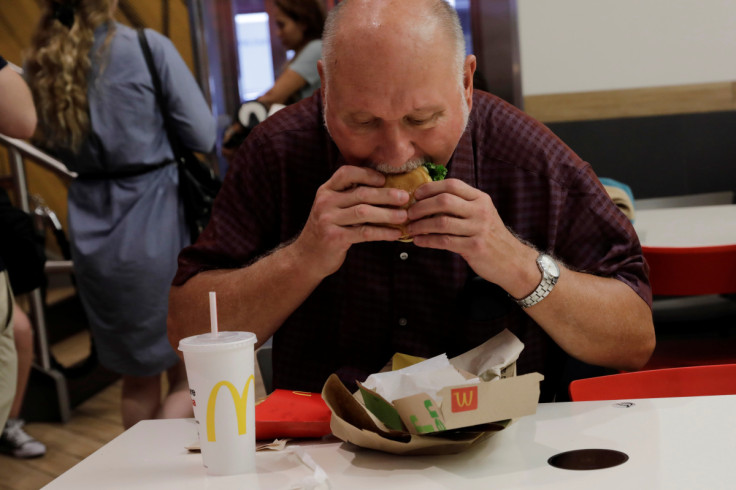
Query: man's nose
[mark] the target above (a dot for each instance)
(396, 147)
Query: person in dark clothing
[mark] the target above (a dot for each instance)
(520, 235)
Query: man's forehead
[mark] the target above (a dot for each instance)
(408, 94)
(391, 95)
(368, 67)
(358, 112)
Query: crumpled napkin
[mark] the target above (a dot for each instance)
(318, 480)
(428, 377)
(488, 360)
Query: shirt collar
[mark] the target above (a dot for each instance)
(461, 165)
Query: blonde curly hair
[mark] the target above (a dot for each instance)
(57, 68)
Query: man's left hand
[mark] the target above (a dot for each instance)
(451, 215)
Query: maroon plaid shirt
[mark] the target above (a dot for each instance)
(396, 297)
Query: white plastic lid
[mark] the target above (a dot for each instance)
(223, 340)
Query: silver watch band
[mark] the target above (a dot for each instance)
(550, 273)
(537, 295)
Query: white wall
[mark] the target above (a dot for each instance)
(588, 45)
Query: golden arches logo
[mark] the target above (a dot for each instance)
(240, 401)
(464, 399)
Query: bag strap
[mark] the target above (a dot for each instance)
(163, 107)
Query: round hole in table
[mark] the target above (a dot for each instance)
(588, 459)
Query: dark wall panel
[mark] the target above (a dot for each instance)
(662, 155)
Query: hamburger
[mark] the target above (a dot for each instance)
(409, 182)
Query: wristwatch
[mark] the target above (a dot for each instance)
(550, 273)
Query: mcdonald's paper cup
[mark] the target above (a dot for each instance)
(222, 386)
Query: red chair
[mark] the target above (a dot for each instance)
(692, 271)
(688, 271)
(717, 379)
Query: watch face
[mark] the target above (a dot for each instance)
(549, 265)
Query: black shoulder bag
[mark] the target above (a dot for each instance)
(198, 184)
(22, 250)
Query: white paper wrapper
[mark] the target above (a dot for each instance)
(428, 377)
(491, 357)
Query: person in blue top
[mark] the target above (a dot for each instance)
(299, 25)
(98, 114)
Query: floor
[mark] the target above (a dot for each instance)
(93, 423)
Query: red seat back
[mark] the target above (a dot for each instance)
(717, 379)
(685, 271)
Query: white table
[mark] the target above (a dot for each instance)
(672, 443)
(691, 226)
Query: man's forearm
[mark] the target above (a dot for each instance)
(598, 320)
(257, 298)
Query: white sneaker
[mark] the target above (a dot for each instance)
(16, 442)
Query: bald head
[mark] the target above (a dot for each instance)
(410, 28)
(397, 87)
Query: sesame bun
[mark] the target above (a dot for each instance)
(409, 182)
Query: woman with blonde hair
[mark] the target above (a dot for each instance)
(97, 112)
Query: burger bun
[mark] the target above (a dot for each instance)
(409, 182)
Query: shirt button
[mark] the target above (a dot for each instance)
(403, 255)
(402, 322)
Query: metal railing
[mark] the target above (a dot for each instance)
(18, 150)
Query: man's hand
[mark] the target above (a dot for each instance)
(345, 211)
(451, 215)
(598, 320)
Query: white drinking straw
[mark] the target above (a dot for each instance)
(213, 312)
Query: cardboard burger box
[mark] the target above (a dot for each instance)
(442, 421)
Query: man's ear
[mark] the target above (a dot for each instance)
(321, 71)
(468, 72)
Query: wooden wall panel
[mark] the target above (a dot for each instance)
(18, 20)
(151, 14)
(179, 31)
(657, 101)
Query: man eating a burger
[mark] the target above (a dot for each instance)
(303, 244)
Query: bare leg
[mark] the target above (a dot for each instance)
(177, 403)
(24, 346)
(141, 398)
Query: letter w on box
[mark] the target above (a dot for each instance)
(240, 401)
(465, 399)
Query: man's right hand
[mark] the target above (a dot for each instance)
(347, 209)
